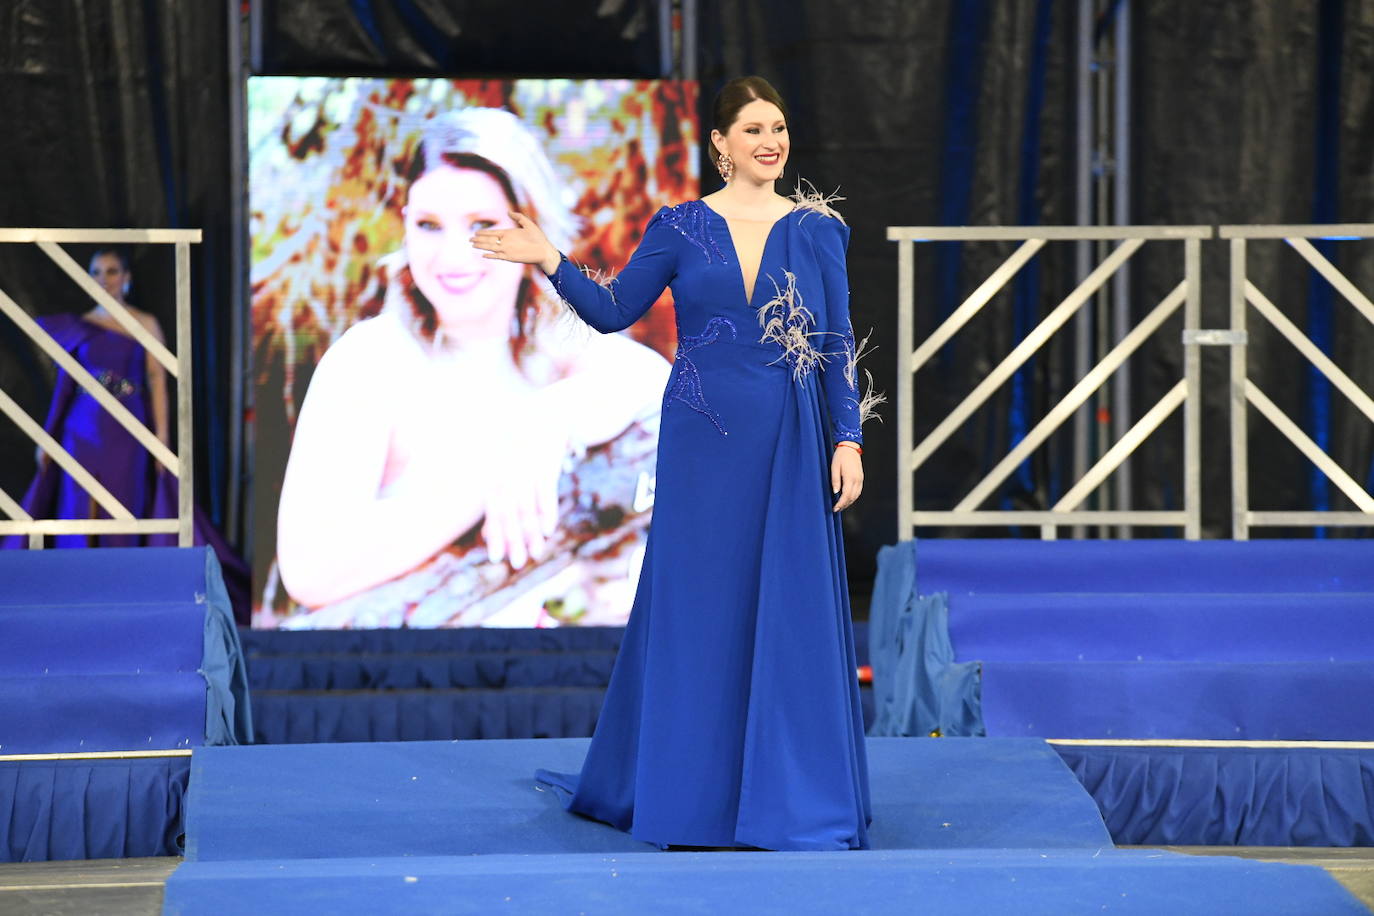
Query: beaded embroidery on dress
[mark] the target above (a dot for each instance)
(685, 385)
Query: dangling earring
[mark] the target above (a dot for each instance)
(726, 166)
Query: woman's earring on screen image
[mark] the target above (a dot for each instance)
(726, 166)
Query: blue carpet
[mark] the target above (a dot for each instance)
(907, 881)
(463, 798)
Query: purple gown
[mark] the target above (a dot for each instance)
(732, 717)
(96, 440)
(115, 458)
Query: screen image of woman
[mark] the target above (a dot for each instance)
(469, 455)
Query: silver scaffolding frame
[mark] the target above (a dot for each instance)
(1186, 393)
(177, 365)
(1245, 392)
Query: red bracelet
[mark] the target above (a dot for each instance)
(854, 445)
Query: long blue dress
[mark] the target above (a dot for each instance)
(732, 717)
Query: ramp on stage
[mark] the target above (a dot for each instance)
(960, 826)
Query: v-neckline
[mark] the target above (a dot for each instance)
(734, 251)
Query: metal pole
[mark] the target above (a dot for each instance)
(666, 68)
(906, 408)
(1082, 330)
(1192, 407)
(238, 310)
(1240, 451)
(689, 39)
(185, 415)
(1121, 283)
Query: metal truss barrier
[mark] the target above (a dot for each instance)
(1245, 392)
(178, 365)
(1186, 393)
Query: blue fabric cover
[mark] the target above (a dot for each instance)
(1298, 701)
(474, 798)
(975, 882)
(918, 687)
(259, 643)
(1233, 796)
(424, 715)
(228, 709)
(91, 809)
(409, 672)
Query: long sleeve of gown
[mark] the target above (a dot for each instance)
(839, 370)
(621, 302)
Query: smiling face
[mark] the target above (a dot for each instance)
(473, 297)
(109, 272)
(757, 142)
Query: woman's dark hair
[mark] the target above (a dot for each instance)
(117, 253)
(733, 96)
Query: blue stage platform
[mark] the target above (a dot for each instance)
(1149, 640)
(960, 826)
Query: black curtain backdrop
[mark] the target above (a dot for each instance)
(920, 111)
(115, 114)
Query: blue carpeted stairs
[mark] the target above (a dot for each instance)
(431, 685)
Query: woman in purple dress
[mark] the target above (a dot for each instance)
(89, 433)
(732, 718)
(98, 442)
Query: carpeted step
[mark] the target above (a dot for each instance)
(123, 574)
(1320, 626)
(436, 671)
(94, 639)
(1028, 566)
(1299, 701)
(62, 714)
(306, 717)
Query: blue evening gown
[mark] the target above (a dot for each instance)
(732, 716)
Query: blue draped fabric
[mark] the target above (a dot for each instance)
(1158, 796)
(918, 687)
(441, 672)
(425, 715)
(92, 809)
(260, 643)
(228, 709)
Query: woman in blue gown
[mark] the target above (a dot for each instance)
(732, 718)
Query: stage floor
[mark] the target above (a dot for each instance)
(135, 887)
(440, 798)
(961, 826)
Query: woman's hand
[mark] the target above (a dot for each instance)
(846, 476)
(521, 484)
(525, 244)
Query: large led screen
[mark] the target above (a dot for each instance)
(438, 441)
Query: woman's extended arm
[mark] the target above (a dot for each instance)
(613, 307)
